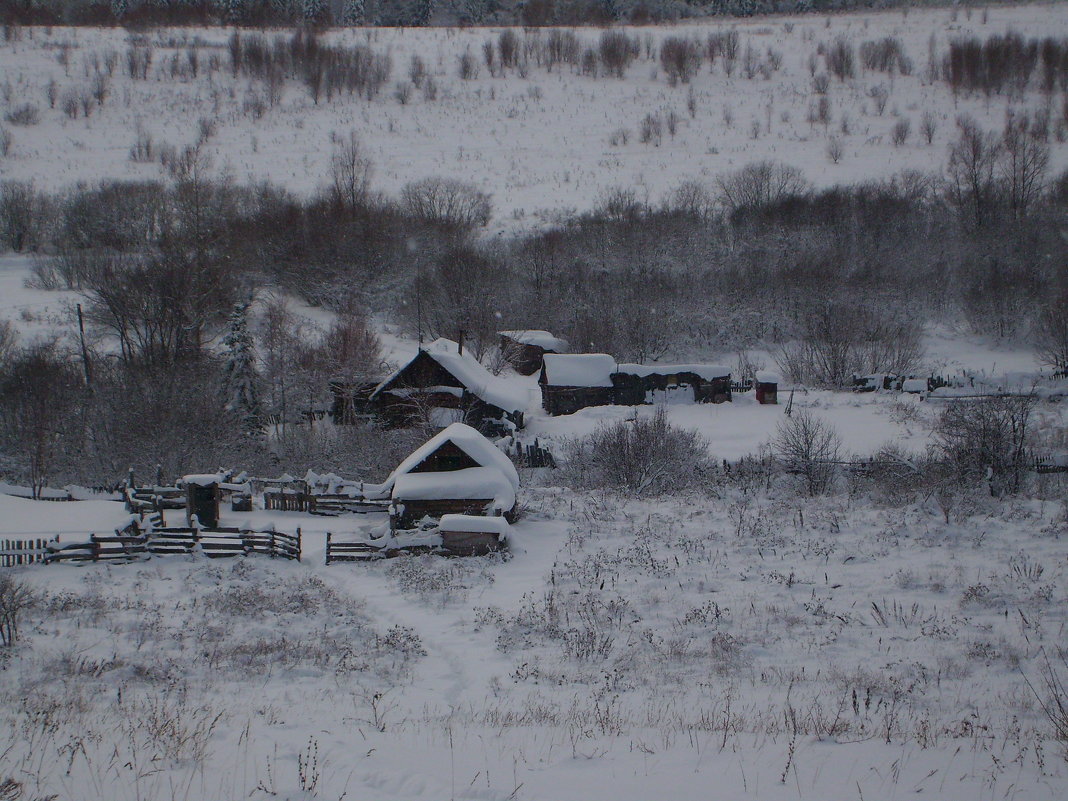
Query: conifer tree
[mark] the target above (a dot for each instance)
(242, 390)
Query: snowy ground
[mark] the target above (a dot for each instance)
(743, 646)
(541, 144)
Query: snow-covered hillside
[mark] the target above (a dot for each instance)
(542, 143)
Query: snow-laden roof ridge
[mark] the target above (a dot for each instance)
(579, 369)
(471, 373)
(545, 340)
(705, 371)
(470, 442)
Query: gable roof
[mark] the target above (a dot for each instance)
(466, 369)
(578, 369)
(467, 439)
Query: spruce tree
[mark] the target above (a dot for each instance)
(242, 391)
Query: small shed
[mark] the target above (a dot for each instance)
(766, 386)
(451, 384)
(525, 350)
(570, 382)
(202, 496)
(468, 535)
(457, 471)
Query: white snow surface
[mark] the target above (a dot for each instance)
(488, 525)
(579, 369)
(540, 145)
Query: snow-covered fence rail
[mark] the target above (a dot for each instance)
(286, 500)
(214, 543)
(154, 499)
(350, 551)
(22, 552)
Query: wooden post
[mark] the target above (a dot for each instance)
(85, 351)
(299, 544)
(328, 538)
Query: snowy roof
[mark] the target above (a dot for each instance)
(203, 479)
(579, 369)
(470, 442)
(705, 371)
(488, 525)
(764, 377)
(479, 381)
(472, 483)
(542, 339)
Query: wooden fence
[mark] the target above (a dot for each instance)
(126, 545)
(22, 552)
(350, 551)
(325, 505)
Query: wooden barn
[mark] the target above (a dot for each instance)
(636, 384)
(766, 386)
(457, 471)
(525, 350)
(570, 382)
(448, 385)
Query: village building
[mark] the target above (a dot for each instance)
(525, 350)
(443, 384)
(457, 471)
(575, 381)
(636, 384)
(570, 382)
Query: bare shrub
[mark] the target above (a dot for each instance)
(885, 55)
(680, 58)
(26, 114)
(646, 455)
(821, 83)
(651, 129)
(619, 137)
(841, 59)
(417, 71)
(843, 339)
(899, 134)
(880, 95)
(928, 126)
(808, 446)
(7, 140)
(759, 184)
(617, 51)
(402, 93)
(15, 598)
(142, 150)
(987, 439)
(835, 149)
(448, 202)
(1051, 332)
(469, 68)
(508, 47)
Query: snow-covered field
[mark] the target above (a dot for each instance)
(726, 646)
(540, 144)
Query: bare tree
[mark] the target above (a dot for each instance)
(447, 202)
(760, 184)
(1025, 159)
(973, 164)
(350, 172)
(1052, 333)
(39, 394)
(987, 440)
(809, 447)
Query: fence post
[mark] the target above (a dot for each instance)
(328, 536)
(299, 544)
(274, 546)
(94, 546)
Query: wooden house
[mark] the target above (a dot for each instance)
(448, 385)
(457, 471)
(570, 382)
(636, 384)
(525, 350)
